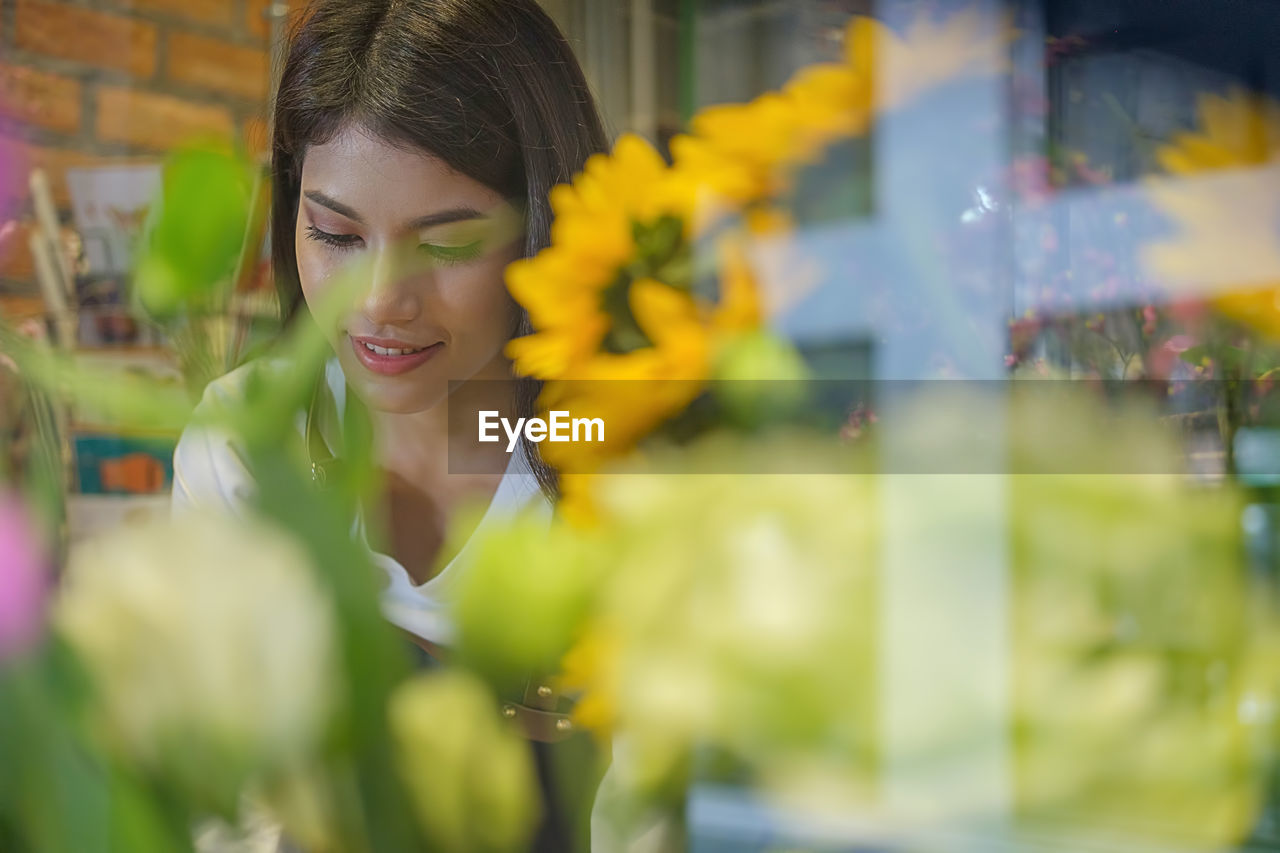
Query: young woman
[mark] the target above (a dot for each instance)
(419, 139)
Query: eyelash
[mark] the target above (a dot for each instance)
(337, 241)
(447, 255)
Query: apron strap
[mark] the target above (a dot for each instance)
(542, 713)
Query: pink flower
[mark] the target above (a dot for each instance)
(1149, 320)
(858, 422)
(23, 582)
(1094, 176)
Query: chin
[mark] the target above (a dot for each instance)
(395, 395)
(398, 401)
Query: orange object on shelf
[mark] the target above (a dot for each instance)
(137, 473)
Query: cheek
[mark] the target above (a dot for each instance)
(477, 304)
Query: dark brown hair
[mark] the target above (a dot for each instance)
(490, 87)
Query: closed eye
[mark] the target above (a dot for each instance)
(452, 254)
(440, 254)
(337, 241)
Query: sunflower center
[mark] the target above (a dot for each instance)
(661, 254)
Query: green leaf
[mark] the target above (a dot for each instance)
(195, 231)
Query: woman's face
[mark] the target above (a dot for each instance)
(429, 246)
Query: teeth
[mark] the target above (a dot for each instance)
(390, 351)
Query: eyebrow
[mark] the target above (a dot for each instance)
(440, 217)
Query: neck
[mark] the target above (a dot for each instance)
(442, 439)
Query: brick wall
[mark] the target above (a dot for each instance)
(99, 81)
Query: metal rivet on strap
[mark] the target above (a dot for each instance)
(544, 691)
(564, 724)
(509, 711)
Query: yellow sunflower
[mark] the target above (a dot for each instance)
(577, 504)
(1236, 130)
(745, 154)
(619, 334)
(737, 157)
(634, 392)
(1226, 222)
(929, 54)
(593, 238)
(612, 300)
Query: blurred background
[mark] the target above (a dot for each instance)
(1103, 209)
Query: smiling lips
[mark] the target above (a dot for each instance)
(389, 357)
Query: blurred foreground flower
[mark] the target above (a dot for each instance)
(526, 590)
(1145, 675)
(1143, 662)
(735, 625)
(760, 377)
(706, 612)
(23, 580)
(469, 775)
(735, 613)
(210, 645)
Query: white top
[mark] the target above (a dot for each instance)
(209, 474)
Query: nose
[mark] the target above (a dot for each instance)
(392, 297)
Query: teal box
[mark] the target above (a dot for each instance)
(123, 464)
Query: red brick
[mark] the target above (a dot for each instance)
(218, 65)
(50, 101)
(18, 307)
(218, 12)
(85, 35)
(156, 121)
(15, 254)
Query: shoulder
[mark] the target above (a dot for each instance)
(209, 471)
(230, 389)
